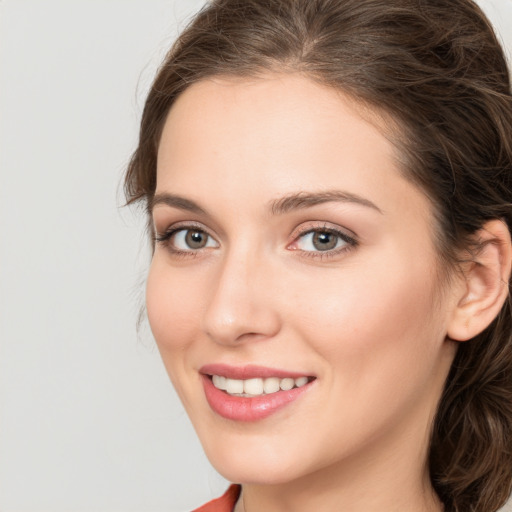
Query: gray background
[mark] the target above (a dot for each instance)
(88, 420)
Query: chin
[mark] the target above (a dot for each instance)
(256, 463)
(255, 474)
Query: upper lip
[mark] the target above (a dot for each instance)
(249, 372)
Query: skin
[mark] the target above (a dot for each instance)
(369, 320)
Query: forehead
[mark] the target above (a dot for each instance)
(275, 135)
(284, 114)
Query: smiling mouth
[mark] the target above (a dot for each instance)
(251, 392)
(257, 386)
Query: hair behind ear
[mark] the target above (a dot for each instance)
(471, 446)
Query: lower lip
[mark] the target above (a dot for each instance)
(241, 408)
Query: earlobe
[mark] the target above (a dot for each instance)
(486, 283)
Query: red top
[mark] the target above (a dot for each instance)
(226, 503)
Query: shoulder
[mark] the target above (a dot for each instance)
(225, 503)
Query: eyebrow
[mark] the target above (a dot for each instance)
(298, 201)
(303, 200)
(175, 201)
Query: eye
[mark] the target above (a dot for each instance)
(319, 241)
(192, 239)
(323, 241)
(187, 240)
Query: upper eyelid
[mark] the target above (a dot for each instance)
(177, 226)
(323, 226)
(165, 239)
(165, 235)
(323, 230)
(162, 224)
(298, 232)
(348, 239)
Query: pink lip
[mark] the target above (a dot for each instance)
(239, 408)
(248, 372)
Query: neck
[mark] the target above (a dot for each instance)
(395, 479)
(335, 500)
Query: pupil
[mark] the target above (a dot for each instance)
(324, 241)
(195, 239)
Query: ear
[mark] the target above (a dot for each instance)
(486, 280)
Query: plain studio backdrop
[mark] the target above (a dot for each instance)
(88, 419)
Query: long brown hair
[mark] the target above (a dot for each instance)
(437, 70)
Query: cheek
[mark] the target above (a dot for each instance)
(172, 306)
(378, 336)
(374, 318)
(173, 309)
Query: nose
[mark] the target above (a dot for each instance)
(241, 306)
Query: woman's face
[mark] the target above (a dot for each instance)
(291, 252)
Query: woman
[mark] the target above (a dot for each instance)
(328, 184)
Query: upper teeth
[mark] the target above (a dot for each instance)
(255, 387)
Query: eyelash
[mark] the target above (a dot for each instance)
(165, 239)
(351, 242)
